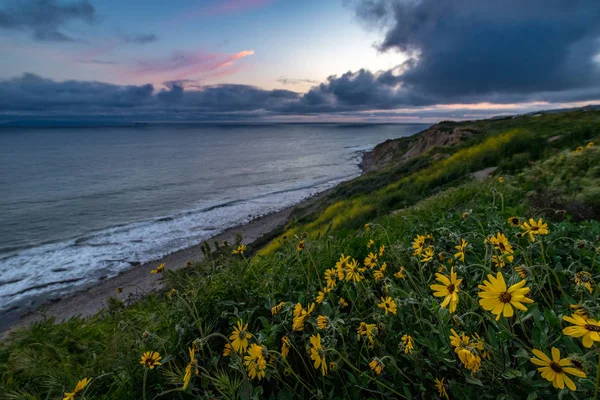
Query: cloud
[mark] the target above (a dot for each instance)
(354, 96)
(292, 81)
(99, 62)
(139, 38)
(469, 50)
(45, 18)
(185, 64)
(31, 94)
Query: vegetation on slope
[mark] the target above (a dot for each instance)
(510, 144)
(347, 310)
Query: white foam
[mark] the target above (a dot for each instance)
(109, 252)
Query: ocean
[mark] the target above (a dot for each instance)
(82, 204)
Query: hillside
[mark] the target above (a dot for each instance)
(412, 281)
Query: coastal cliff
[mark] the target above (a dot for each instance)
(396, 151)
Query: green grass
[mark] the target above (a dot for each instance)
(561, 187)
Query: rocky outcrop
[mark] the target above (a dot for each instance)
(395, 152)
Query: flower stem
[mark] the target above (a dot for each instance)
(597, 379)
(144, 384)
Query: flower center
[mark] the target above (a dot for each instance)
(451, 288)
(505, 297)
(149, 361)
(243, 335)
(555, 367)
(592, 328)
(515, 221)
(501, 245)
(535, 228)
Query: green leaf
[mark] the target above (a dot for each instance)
(512, 373)
(474, 381)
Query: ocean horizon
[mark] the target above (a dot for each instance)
(83, 204)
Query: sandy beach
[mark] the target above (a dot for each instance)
(135, 281)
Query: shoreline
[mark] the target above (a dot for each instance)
(89, 300)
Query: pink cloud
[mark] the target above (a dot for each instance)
(182, 65)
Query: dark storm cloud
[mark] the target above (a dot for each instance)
(44, 18)
(33, 94)
(467, 50)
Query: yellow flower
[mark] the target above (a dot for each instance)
(367, 330)
(461, 250)
(514, 221)
(240, 250)
(535, 228)
(343, 302)
(587, 327)
(370, 243)
(321, 295)
(467, 352)
(480, 346)
(371, 260)
(188, 264)
(285, 346)
(578, 149)
(501, 179)
(419, 243)
(498, 261)
(367, 227)
(78, 388)
(119, 290)
(331, 278)
(256, 361)
(555, 370)
(590, 145)
(427, 254)
(239, 337)
(300, 314)
(579, 310)
(441, 388)
(190, 369)
(499, 300)
(381, 250)
(376, 365)
(341, 266)
(400, 274)
(158, 269)
(151, 359)
(380, 273)
(448, 289)
(388, 305)
(353, 272)
(276, 309)
(584, 279)
(227, 350)
(523, 271)
(317, 354)
(464, 215)
(500, 242)
(322, 322)
(408, 342)
(172, 292)
(301, 245)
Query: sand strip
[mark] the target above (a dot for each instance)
(91, 300)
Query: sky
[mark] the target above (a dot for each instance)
(289, 60)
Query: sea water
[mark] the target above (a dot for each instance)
(82, 204)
